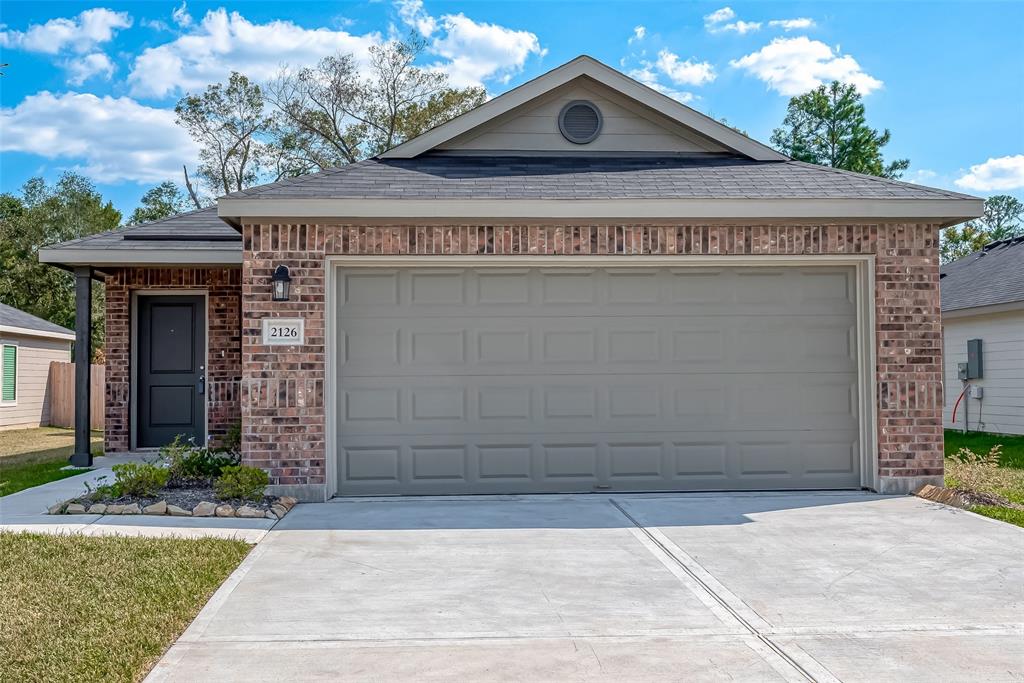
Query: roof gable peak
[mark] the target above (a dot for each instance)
(703, 129)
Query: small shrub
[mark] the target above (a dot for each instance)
(232, 441)
(188, 462)
(141, 479)
(241, 482)
(969, 457)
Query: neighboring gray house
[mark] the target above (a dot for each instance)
(983, 298)
(27, 347)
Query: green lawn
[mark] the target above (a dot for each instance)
(30, 457)
(81, 608)
(1007, 481)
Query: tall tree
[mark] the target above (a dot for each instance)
(166, 199)
(828, 126)
(331, 115)
(1003, 219)
(229, 123)
(44, 214)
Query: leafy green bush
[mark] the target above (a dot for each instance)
(241, 482)
(232, 441)
(140, 478)
(188, 462)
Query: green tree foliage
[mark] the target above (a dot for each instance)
(827, 126)
(317, 117)
(166, 199)
(41, 215)
(1003, 219)
(229, 123)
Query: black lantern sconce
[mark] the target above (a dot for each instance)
(280, 283)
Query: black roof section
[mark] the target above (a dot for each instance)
(199, 229)
(13, 317)
(992, 276)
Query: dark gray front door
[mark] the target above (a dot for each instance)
(171, 369)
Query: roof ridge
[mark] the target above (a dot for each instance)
(885, 181)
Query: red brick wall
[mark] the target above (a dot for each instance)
(224, 368)
(282, 391)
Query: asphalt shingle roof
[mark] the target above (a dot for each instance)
(191, 227)
(438, 176)
(17, 318)
(994, 275)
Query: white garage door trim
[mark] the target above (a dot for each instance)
(863, 264)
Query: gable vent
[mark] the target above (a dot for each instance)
(580, 122)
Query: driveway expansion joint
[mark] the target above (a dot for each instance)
(770, 645)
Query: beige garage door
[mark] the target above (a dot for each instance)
(524, 380)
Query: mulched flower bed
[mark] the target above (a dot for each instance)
(183, 497)
(199, 500)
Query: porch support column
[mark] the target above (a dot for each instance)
(82, 456)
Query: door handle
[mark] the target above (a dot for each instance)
(201, 384)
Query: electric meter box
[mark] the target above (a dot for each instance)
(975, 360)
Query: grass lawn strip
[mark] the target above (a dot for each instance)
(80, 608)
(30, 457)
(1005, 481)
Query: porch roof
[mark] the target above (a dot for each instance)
(193, 238)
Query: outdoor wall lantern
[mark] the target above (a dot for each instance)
(280, 283)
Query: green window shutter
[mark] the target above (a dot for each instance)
(9, 385)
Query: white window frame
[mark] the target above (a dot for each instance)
(17, 375)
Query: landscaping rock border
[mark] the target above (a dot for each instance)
(961, 498)
(278, 509)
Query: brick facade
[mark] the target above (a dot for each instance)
(224, 367)
(282, 391)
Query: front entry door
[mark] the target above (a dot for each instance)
(171, 369)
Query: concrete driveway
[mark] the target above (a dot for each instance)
(816, 586)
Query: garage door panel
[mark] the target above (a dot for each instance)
(611, 402)
(585, 345)
(434, 464)
(615, 292)
(520, 380)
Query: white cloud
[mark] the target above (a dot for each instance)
(719, 16)
(996, 174)
(412, 14)
(646, 75)
(81, 69)
(792, 66)
(722, 20)
(742, 27)
(79, 34)
(639, 33)
(223, 42)
(181, 16)
(792, 24)
(110, 139)
(684, 73)
(481, 51)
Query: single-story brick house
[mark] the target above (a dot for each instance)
(580, 285)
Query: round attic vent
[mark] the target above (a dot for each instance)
(580, 122)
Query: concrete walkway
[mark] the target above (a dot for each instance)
(755, 587)
(26, 511)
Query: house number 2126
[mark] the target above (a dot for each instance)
(283, 331)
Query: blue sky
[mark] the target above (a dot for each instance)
(92, 86)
